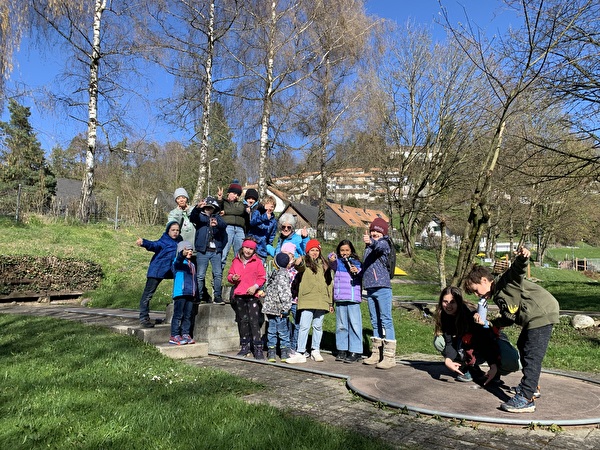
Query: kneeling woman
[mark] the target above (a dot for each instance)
(464, 343)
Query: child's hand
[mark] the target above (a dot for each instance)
(477, 319)
(220, 193)
(453, 366)
(524, 252)
(298, 261)
(304, 232)
(491, 373)
(367, 238)
(235, 277)
(139, 242)
(331, 309)
(332, 257)
(251, 290)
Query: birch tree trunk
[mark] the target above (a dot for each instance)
(90, 157)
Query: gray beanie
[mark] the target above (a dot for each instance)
(184, 245)
(180, 192)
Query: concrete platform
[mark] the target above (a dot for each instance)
(427, 387)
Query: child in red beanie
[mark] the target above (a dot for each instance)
(314, 300)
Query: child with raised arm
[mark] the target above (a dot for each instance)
(376, 281)
(277, 302)
(525, 303)
(160, 267)
(247, 274)
(184, 292)
(314, 300)
(347, 297)
(263, 226)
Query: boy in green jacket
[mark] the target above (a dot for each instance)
(525, 303)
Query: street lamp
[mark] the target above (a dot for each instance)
(208, 181)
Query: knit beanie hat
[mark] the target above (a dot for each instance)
(289, 247)
(184, 245)
(251, 193)
(282, 260)
(235, 187)
(180, 192)
(379, 225)
(313, 243)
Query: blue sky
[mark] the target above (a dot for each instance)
(37, 71)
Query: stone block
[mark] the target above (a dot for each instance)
(197, 350)
(216, 325)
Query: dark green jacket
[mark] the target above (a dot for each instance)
(522, 301)
(234, 213)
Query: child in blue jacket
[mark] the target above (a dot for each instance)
(347, 297)
(184, 291)
(160, 266)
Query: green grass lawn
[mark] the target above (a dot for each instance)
(68, 385)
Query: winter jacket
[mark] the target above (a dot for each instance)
(263, 230)
(313, 290)
(234, 213)
(375, 273)
(521, 301)
(186, 227)
(278, 293)
(164, 252)
(476, 342)
(184, 282)
(295, 239)
(346, 286)
(252, 272)
(205, 233)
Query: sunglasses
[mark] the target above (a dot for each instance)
(286, 227)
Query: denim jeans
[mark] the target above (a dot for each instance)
(348, 327)
(532, 345)
(202, 260)
(308, 317)
(380, 310)
(292, 324)
(182, 315)
(278, 327)
(149, 290)
(235, 238)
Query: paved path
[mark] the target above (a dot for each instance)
(320, 390)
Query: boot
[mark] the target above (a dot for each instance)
(389, 355)
(258, 351)
(245, 350)
(376, 352)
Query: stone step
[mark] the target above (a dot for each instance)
(197, 350)
(158, 335)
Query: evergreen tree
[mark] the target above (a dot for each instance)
(22, 161)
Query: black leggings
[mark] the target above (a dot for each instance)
(248, 311)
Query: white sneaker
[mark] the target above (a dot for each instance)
(316, 356)
(298, 358)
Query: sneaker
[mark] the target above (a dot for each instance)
(518, 404)
(465, 378)
(271, 354)
(298, 358)
(146, 324)
(177, 340)
(188, 339)
(341, 355)
(315, 355)
(218, 301)
(285, 354)
(517, 391)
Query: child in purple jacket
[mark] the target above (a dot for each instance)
(347, 298)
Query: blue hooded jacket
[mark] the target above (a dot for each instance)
(164, 250)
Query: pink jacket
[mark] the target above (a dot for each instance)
(251, 273)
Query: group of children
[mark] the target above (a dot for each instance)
(305, 286)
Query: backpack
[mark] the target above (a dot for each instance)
(391, 261)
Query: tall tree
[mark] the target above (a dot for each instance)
(22, 161)
(512, 69)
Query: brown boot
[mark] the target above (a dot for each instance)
(389, 355)
(376, 351)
